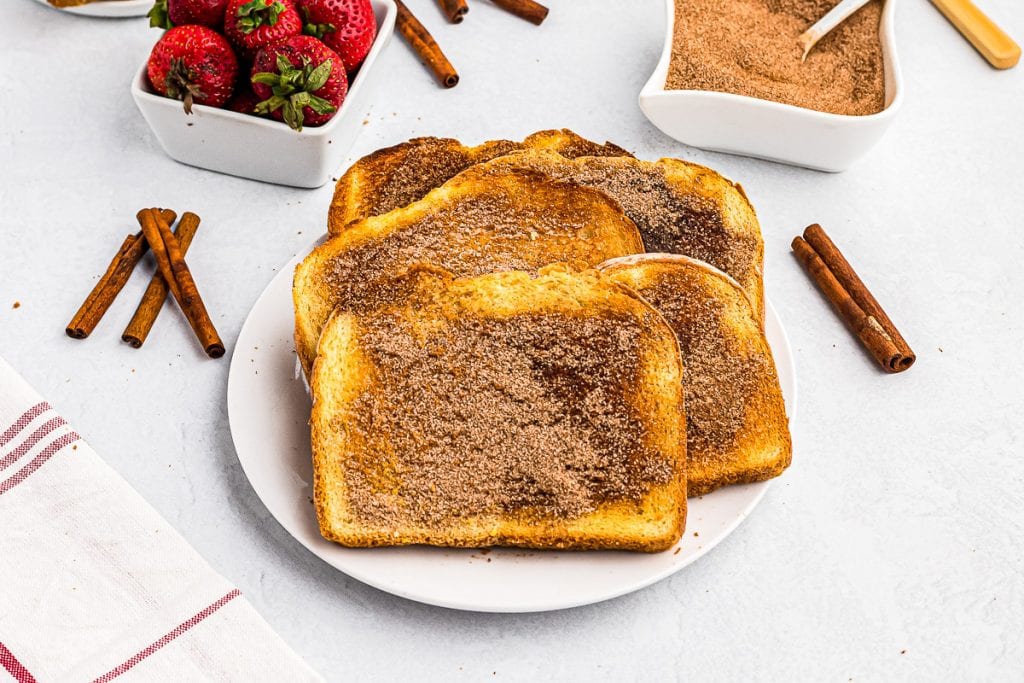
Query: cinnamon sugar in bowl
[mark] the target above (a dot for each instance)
(749, 95)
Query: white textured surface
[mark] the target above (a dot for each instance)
(899, 526)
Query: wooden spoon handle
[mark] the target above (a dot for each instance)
(987, 38)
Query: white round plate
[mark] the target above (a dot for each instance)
(110, 8)
(269, 410)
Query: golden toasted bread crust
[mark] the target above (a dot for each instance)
(470, 226)
(507, 409)
(395, 176)
(737, 431)
(679, 207)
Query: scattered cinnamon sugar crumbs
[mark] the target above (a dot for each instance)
(749, 47)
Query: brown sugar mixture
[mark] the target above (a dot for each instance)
(749, 47)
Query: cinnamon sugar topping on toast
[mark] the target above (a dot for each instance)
(523, 415)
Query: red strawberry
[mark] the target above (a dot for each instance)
(194, 64)
(346, 26)
(244, 101)
(170, 13)
(300, 80)
(252, 24)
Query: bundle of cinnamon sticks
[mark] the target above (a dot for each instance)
(420, 40)
(851, 298)
(173, 275)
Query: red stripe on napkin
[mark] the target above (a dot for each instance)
(33, 438)
(22, 422)
(14, 667)
(181, 628)
(37, 462)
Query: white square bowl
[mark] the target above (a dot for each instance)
(263, 149)
(737, 124)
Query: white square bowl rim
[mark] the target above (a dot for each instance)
(654, 88)
(141, 92)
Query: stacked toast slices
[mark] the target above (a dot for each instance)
(495, 360)
(469, 226)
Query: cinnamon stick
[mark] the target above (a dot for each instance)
(850, 297)
(848, 278)
(153, 300)
(171, 263)
(425, 46)
(110, 284)
(533, 12)
(455, 10)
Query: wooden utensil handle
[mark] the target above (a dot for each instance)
(987, 38)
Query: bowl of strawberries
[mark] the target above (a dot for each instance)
(273, 90)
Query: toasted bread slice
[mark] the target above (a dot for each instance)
(679, 207)
(468, 226)
(737, 430)
(507, 409)
(395, 176)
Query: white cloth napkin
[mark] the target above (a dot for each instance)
(95, 585)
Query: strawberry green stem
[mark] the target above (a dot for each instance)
(158, 17)
(257, 13)
(311, 28)
(293, 89)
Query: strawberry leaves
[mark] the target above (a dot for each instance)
(181, 84)
(158, 17)
(293, 90)
(257, 13)
(311, 28)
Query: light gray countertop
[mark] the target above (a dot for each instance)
(892, 548)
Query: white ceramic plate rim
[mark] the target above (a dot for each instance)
(273, 490)
(112, 9)
(655, 85)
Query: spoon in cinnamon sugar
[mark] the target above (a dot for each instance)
(821, 28)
